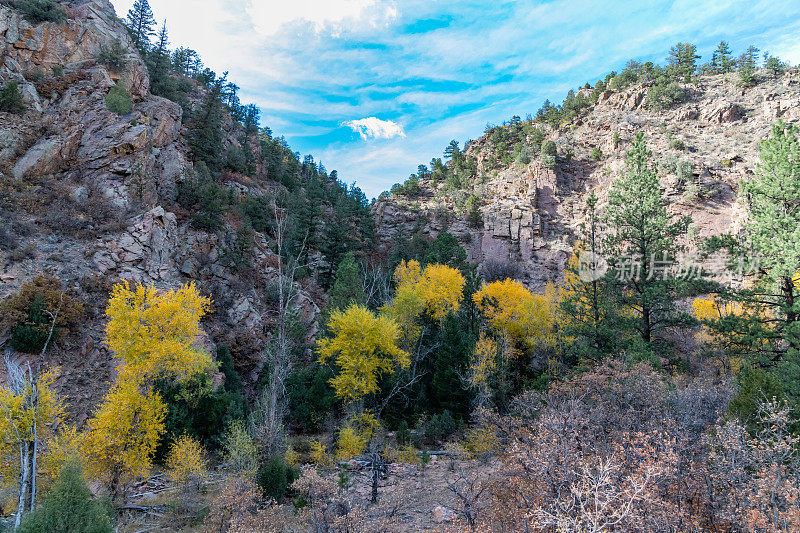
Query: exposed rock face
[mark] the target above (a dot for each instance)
(531, 215)
(132, 165)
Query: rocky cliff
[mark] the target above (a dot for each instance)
(88, 196)
(530, 214)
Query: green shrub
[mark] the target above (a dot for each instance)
(677, 144)
(58, 70)
(36, 11)
(11, 99)
(522, 154)
(549, 148)
(755, 385)
(113, 55)
(118, 100)
(472, 207)
(30, 336)
(275, 476)
(597, 154)
(664, 95)
(69, 507)
(403, 434)
(440, 426)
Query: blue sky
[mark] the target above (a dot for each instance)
(372, 88)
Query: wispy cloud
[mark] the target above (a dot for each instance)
(375, 128)
(440, 69)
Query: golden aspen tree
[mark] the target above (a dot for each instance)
(482, 367)
(516, 313)
(363, 347)
(436, 290)
(123, 435)
(29, 410)
(186, 462)
(154, 332)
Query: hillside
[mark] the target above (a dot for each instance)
(91, 196)
(530, 214)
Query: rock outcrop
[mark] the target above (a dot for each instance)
(531, 215)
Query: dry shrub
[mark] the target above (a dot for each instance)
(607, 450)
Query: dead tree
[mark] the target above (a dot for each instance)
(265, 423)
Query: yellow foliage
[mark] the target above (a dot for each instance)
(436, 290)
(405, 454)
(366, 424)
(484, 361)
(153, 331)
(349, 444)
(480, 442)
(291, 457)
(240, 450)
(124, 433)
(710, 309)
(319, 455)
(60, 448)
(363, 347)
(186, 462)
(18, 418)
(516, 313)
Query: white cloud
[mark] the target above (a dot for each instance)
(375, 127)
(269, 17)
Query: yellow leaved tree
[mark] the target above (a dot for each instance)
(123, 436)
(483, 366)
(363, 347)
(154, 331)
(29, 411)
(186, 462)
(436, 290)
(516, 314)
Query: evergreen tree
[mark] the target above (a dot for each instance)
(721, 60)
(766, 326)
(205, 135)
(450, 360)
(347, 289)
(452, 152)
(641, 244)
(140, 23)
(747, 66)
(69, 507)
(682, 60)
(159, 66)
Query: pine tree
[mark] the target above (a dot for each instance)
(587, 310)
(159, 65)
(347, 289)
(747, 66)
(683, 60)
(452, 152)
(68, 507)
(641, 243)
(140, 23)
(205, 135)
(721, 60)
